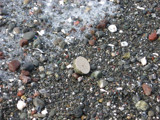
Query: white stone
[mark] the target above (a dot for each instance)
(44, 112)
(140, 8)
(41, 33)
(112, 28)
(158, 31)
(81, 65)
(143, 61)
(124, 44)
(119, 88)
(21, 104)
(69, 66)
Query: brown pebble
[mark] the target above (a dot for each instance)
(153, 36)
(25, 79)
(75, 75)
(91, 42)
(2, 57)
(14, 65)
(23, 42)
(1, 100)
(147, 89)
(20, 93)
(1, 53)
(102, 25)
(36, 94)
(35, 79)
(25, 73)
(92, 32)
(83, 28)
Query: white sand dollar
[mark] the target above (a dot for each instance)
(81, 65)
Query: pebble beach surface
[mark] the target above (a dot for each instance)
(79, 60)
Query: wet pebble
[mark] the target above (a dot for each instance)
(14, 65)
(29, 35)
(147, 89)
(142, 105)
(23, 42)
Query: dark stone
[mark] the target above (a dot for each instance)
(28, 66)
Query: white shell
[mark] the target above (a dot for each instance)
(21, 104)
(112, 28)
(143, 61)
(124, 44)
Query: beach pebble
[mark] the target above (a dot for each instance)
(81, 65)
(147, 89)
(21, 104)
(14, 65)
(143, 61)
(112, 28)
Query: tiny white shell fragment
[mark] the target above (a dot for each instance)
(41, 33)
(21, 104)
(69, 66)
(140, 8)
(143, 61)
(120, 31)
(124, 44)
(112, 28)
(119, 88)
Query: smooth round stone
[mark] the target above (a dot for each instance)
(81, 65)
(150, 113)
(29, 35)
(142, 105)
(96, 74)
(23, 116)
(102, 83)
(38, 103)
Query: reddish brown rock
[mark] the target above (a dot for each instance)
(91, 42)
(20, 93)
(14, 65)
(1, 53)
(35, 79)
(102, 25)
(153, 36)
(25, 73)
(1, 57)
(25, 79)
(83, 28)
(23, 42)
(147, 89)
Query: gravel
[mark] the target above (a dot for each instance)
(118, 77)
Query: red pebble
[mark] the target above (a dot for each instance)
(20, 93)
(76, 23)
(1, 53)
(25, 73)
(23, 42)
(147, 89)
(153, 36)
(25, 79)
(14, 65)
(91, 42)
(102, 25)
